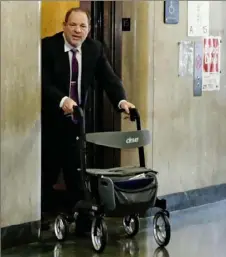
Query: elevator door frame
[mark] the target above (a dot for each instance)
(105, 27)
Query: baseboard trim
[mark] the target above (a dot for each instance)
(193, 198)
(20, 234)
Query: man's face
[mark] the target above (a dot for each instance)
(76, 28)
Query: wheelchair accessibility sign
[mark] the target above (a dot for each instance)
(171, 11)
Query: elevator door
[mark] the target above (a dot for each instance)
(105, 27)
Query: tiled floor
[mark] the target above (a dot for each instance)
(196, 232)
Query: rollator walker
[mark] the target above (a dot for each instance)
(127, 192)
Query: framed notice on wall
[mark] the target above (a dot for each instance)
(198, 18)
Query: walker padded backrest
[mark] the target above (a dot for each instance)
(118, 139)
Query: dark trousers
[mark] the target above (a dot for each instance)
(60, 151)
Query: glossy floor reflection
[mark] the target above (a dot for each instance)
(195, 232)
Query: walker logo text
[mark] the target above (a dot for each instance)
(131, 140)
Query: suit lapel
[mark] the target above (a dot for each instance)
(63, 61)
(66, 68)
(85, 70)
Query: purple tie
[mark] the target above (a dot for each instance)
(74, 78)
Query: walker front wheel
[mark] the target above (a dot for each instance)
(99, 234)
(131, 224)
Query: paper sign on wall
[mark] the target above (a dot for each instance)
(211, 63)
(186, 58)
(198, 18)
(197, 79)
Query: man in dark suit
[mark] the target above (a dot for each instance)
(70, 62)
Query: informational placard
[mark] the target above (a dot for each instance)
(197, 83)
(186, 58)
(211, 63)
(198, 18)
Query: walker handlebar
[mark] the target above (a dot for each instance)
(79, 116)
(134, 114)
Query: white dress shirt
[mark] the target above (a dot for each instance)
(68, 48)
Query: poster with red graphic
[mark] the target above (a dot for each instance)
(211, 63)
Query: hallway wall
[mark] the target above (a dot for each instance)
(20, 114)
(21, 30)
(188, 133)
(137, 75)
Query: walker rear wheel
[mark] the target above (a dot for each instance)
(99, 234)
(131, 224)
(162, 229)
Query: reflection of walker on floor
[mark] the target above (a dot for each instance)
(125, 191)
(130, 247)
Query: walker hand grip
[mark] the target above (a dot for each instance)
(134, 114)
(78, 112)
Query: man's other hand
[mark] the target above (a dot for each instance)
(126, 106)
(68, 106)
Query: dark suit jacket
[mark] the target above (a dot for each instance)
(56, 75)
